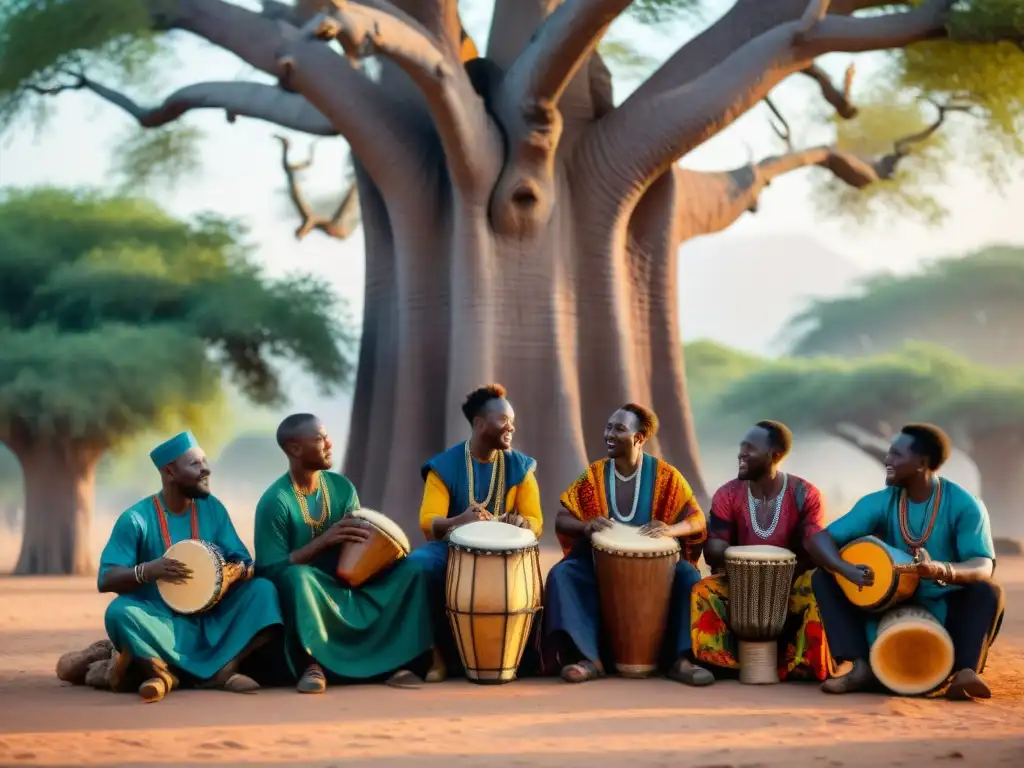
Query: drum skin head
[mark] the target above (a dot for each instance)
(627, 539)
(492, 536)
(763, 553)
(386, 524)
(867, 552)
(203, 559)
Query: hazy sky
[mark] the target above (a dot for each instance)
(241, 174)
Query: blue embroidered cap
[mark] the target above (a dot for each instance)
(167, 452)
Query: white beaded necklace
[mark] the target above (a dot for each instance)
(637, 475)
(753, 504)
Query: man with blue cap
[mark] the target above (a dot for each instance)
(157, 648)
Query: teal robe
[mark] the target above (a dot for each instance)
(352, 633)
(141, 623)
(962, 531)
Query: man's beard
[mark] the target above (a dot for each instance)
(194, 491)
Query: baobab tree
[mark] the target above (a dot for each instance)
(520, 227)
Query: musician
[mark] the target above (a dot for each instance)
(158, 648)
(482, 478)
(631, 488)
(302, 519)
(762, 506)
(949, 529)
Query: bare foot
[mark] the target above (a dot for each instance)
(860, 678)
(582, 672)
(968, 685)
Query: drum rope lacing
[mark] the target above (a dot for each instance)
(753, 504)
(316, 526)
(497, 479)
(637, 475)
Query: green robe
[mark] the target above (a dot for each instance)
(141, 623)
(352, 633)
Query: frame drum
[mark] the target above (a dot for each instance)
(913, 653)
(208, 583)
(492, 592)
(358, 563)
(760, 580)
(895, 577)
(634, 583)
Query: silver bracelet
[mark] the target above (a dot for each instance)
(138, 574)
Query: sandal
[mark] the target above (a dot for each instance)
(313, 680)
(686, 672)
(857, 680)
(581, 672)
(239, 683)
(403, 678)
(966, 686)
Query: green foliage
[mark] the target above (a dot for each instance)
(153, 158)
(989, 282)
(711, 367)
(662, 11)
(119, 318)
(919, 381)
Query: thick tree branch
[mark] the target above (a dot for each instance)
(344, 220)
(839, 99)
(642, 140)
(868, 442)
(237, 99)
(470, 141)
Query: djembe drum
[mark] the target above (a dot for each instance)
(492, 592)
(760, 580)
(634, 583)
(913, 653)
(211, 577)
(895, 572)
(387, 544)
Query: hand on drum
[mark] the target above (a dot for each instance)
(859, 575)
(654, 529)
(473, 513)
(167, 569)
(514, 518)
(349, 529)
(933, 571)
(596, 524)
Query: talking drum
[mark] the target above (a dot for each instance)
(913, 653)
(492, 592)
(211, 577)
(387, 544)
(895, 573)
(760, 580)
(634, 584)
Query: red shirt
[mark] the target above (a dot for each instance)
(730, 517)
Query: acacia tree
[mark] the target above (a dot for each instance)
(972, 304)
(519, 225)
(865, 401)
(118, 319)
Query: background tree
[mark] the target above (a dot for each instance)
(519, 225)
(974, 305)
(864, 401)
(118, 319)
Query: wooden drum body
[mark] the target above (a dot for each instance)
(492, 592)
(895, 579)
(358, 563)
(760, 580)
(913, 653)
(634, 583)
(210, 577)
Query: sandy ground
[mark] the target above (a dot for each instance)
(534, 722)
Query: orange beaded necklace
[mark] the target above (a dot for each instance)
(161, 517)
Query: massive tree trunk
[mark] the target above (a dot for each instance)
(60, 489)
(998, 456)
(519, 227)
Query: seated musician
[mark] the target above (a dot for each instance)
(948, 529)
(482, 478)
(158, 649)
(762, 506)
(302, 519)
(631, 488)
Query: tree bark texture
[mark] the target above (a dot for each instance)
(60, 489)
(520, 228)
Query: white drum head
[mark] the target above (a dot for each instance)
(628, 539)
(386, 524)
(760, 552)
(492, 536)
(204, 563)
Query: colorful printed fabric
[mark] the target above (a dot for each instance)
(670, 499)
(803, 647)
